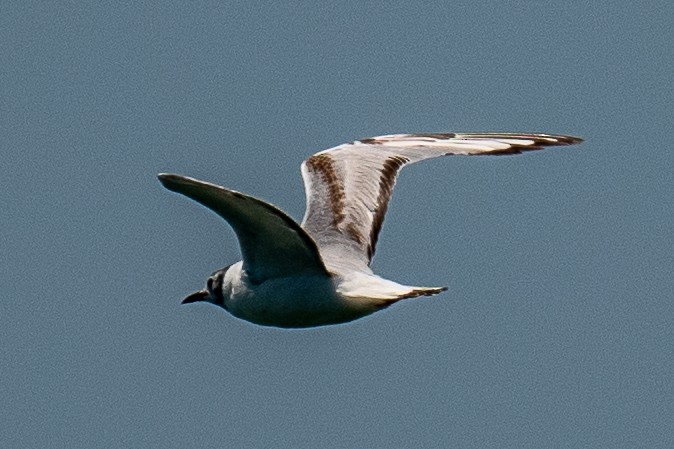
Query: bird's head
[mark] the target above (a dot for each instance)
(213, 293)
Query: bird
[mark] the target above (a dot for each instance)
(318, 273)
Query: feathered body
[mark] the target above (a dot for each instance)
(318, 273)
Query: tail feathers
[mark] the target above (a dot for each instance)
(373, 291)
(415, 292)
(421, 291)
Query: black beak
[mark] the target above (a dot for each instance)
(201, 295)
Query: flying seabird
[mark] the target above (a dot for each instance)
(318, 272)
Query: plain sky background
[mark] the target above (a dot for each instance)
(558, 326)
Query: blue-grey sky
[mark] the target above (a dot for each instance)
(556, 331)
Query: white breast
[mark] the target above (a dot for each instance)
(296, 301)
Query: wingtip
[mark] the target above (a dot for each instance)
(170, 180)
(166, 176)
(571, 140)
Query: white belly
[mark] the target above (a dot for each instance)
(303, 301)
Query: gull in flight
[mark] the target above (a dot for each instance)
(318, 272)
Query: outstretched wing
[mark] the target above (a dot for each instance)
(272, 244)
(348, 187)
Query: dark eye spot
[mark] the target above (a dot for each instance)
(218, 284)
